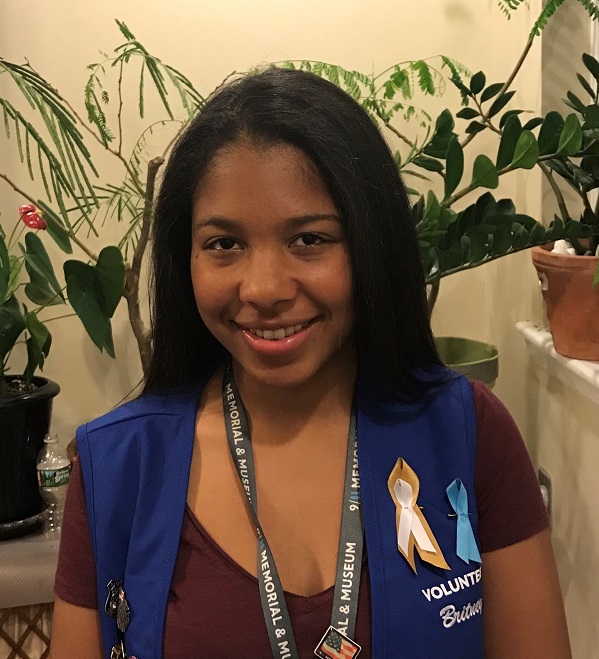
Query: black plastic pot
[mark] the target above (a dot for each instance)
(24, 420)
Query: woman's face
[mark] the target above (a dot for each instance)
(270, 265)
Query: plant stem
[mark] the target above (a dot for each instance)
(66, 231)
(556, 191)
(119, 115)
(392, 128)
(507, 84)
(400, 135)
(506, 170)
(132, 275)
(432, 296)
(67, 315)
(117, 154)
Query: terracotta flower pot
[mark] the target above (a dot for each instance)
(571, 301)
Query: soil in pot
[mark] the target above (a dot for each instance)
(24, 420)
(571, 301)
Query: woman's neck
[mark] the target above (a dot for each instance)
(281, 414)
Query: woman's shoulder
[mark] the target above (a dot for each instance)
(171, 402)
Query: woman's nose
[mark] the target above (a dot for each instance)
(266, 280)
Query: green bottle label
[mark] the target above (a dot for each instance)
(54, 477)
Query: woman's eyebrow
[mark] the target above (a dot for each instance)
(227, 224)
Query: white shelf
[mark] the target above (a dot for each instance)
(580, 375)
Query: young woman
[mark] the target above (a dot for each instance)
(301, 475)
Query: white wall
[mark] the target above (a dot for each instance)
(207, 41)
(561, 424)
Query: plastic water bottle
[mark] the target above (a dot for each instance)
(53, 472)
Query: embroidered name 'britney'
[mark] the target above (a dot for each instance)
(453, 585)
(450, 615)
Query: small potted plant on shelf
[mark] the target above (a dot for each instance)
(25, 398)
(569, 270)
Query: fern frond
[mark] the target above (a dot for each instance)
(355, 83)
(47, 160)
(71, 160)
(139, 154)
(162, 75)
(507, 6)
(548, 10)
(425, 77)
(591, 8)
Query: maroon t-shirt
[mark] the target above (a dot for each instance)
(214, 605)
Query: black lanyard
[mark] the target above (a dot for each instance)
(349, 557)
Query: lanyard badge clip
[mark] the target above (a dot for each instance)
(335, 645)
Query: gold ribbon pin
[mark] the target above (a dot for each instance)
(412, 528)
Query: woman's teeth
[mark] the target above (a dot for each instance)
(275, 335)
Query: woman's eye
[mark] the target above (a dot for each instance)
(222, 244)
(308, 239)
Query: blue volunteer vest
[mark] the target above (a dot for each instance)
(135, 462)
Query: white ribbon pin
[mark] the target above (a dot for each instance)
(413, 531)
(409, 522)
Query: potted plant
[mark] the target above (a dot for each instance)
(25, 398)
(59, 147)
(455, 236)
(569, 275)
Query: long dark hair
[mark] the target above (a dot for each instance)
(278, 106)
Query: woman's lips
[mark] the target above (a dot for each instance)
(277, 346)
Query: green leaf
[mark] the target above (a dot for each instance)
(591, 118)
(574, 102)
(468, 113)
(506, 115)
(500, 103)
(87, 299)
(526, 154)
(429, 164)
(433, 208)
(55, 229)
(475, 127)
(12, 324)
(592, 65)
(445, 122)
(506, 207)
(484, 173)
(477, 82)
(111, 276)
(425, 78)
(570, 139)
(490, 91)
(596, 277)
(509, 138)
(501, 241)
(4, 270)
(454, 167)
(41, 295)
(533, 123)
(550, 132)
(485, 207)
(37, 258)
(585, 85)
(38, 345)
(16, 265)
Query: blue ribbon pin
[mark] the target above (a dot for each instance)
(466, 548)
